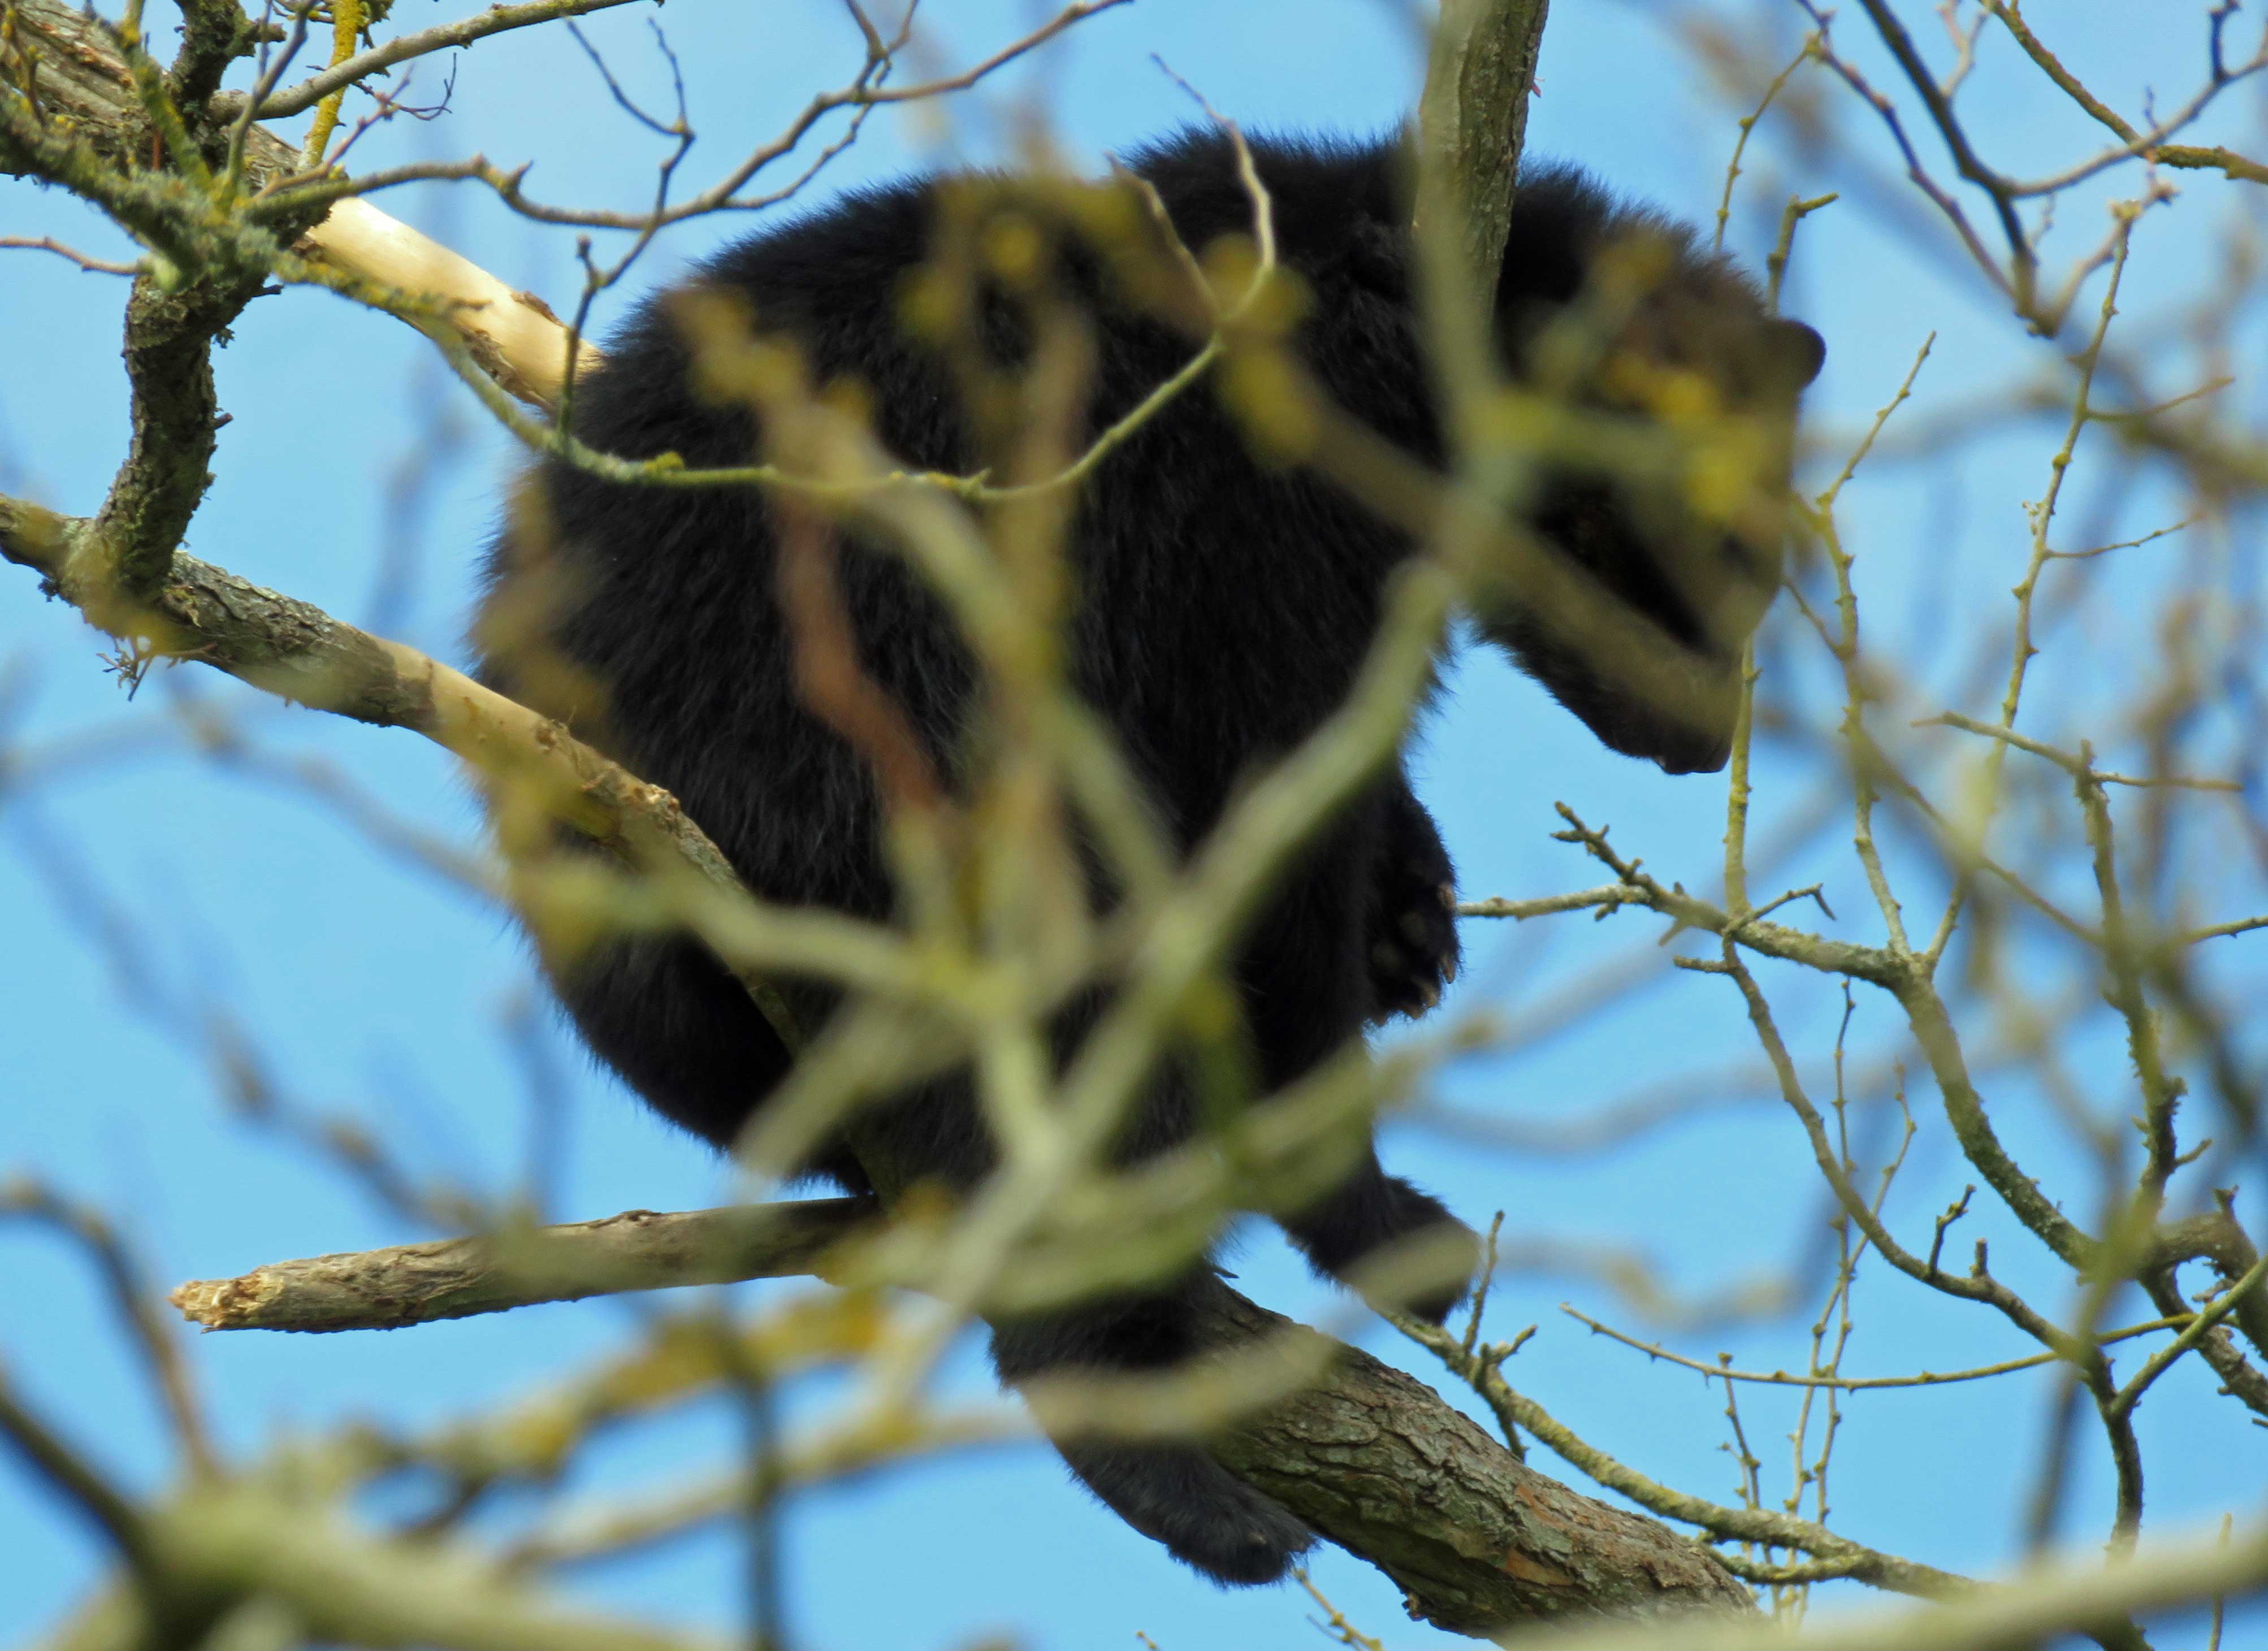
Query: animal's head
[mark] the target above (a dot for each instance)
(1663, 395)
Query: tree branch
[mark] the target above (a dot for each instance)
(459, 1278)
(1473, 118)
(294, 650)
(1369, 1456)
(403, 47)
(77, 81)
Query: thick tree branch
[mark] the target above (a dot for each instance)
(1371, 1457)
(1473, 119)
(1477, 1540)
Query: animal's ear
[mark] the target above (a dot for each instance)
(1797, 347)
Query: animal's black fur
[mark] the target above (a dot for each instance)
(1222, 607)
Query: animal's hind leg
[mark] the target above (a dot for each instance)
(1172, 1490)
(1314, 974)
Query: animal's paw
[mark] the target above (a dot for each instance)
(1450, 1249)
(1413, 938)
(1207, 1518)
(1242, 1540)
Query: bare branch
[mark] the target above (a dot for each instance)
(1369, 1456)
(403, 47)
(457, 1278)
(49, 243)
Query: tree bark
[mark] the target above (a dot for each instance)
(1472, 119)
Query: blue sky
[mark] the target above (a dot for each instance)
(374, 988)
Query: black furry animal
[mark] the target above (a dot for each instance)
(1222, 607)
